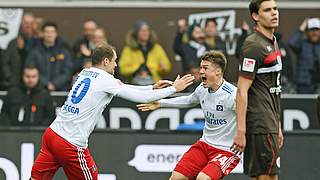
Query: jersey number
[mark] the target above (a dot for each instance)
(220, 158)
(76, 99)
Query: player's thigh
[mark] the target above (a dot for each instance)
(193, 161)
(177, 176)
(80, 165)
(262, 155)
(203, 176)
(46, 164)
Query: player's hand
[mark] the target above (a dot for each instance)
(181, 83)
(162, 84)
(280, 138)
(239, 142)
(149, 106)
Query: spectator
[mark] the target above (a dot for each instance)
(195, 48)
(37, 24)
(52, 59)
(83, 46)
(195, 72)
(180, 39)
(288, 65)
(99, 36)
(212, 39)
(245, 31)
(14, 56)
(305, 42)
(28, 104)
(143, 60)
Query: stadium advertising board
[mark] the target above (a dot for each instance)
(299, 112)
(144, 155)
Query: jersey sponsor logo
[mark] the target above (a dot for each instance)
(248, 64)
(275, 90)
(219, 107)
(216, 122)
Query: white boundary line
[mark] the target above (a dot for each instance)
(153, 4)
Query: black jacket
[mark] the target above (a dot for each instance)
(54, 63)
(34, 106)
(12, 62)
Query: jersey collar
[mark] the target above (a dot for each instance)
(210, 90)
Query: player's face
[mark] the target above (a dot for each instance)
(210, 74)
(112, 64)
(268, 15)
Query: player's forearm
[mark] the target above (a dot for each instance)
(178, 102)
(241, 110)
(149, 87)
(145, 96)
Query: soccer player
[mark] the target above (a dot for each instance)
(259, 132)
(210, 157)
(65, 142)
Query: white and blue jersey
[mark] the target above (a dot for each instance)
(218, 109)
(92, 91)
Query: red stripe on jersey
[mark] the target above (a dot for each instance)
(271, 57)
(272, 152)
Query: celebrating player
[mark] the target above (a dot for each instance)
(210, 157)
(65, 142)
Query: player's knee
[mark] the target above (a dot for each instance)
(203, 176)
(177, 176)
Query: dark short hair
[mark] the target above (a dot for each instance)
(30, 66)
(254, 6)
(102, 51)
(49, 24)
(216, 57)
(211, 20)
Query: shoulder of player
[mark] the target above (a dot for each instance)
(253, 41)
(229, 89)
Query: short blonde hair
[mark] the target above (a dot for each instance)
(216, 57)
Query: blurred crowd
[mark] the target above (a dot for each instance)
(39, 60)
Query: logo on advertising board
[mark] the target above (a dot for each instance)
(162, 158)
(157, 158)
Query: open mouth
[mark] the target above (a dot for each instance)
(203, 78)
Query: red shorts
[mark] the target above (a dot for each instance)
(57, 152)
(202, 157)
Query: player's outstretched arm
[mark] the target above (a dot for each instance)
(162, 84)
(158, 85)
(145, 96)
